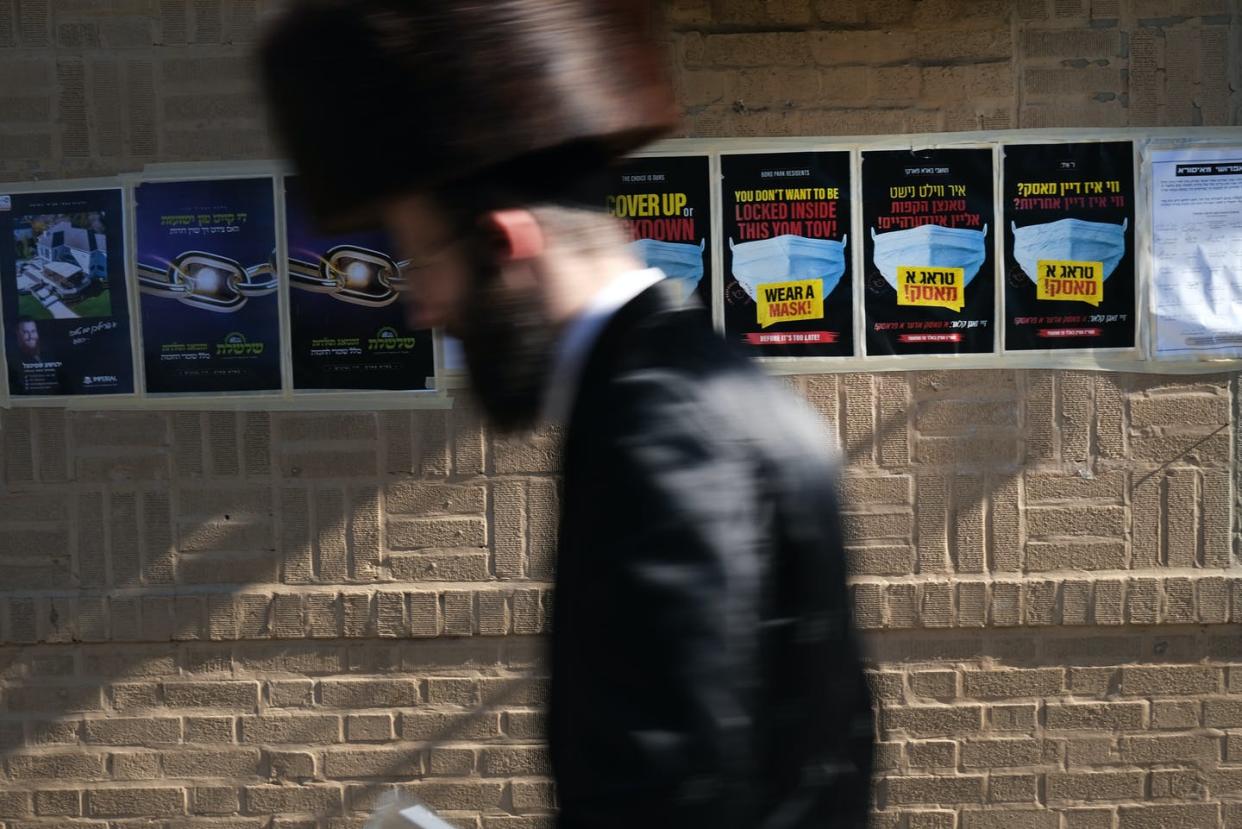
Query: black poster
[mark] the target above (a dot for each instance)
(788, 284)
(347, 319)
(62, 281)
(1069, 246)
(206, 254)
(930, 269)
(665, 202)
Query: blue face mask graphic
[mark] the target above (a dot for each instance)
(1069, 240)
(787, 258)
(680, 262)
(930, 246)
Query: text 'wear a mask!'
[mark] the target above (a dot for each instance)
(1069, 240)
(788, 258)
(930, 246)
(680, 262)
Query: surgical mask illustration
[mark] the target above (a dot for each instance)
(680, 262)
(930, 246)
(788, 258)
(1069, 240)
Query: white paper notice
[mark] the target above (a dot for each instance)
(1197, 245)
(454, 356)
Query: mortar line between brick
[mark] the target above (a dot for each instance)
(1194, 573)
(368, 588)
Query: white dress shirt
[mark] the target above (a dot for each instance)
(579, 339)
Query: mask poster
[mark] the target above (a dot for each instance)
(205, 256)
(1069, 246)
(62, 283)
(347, 318)
(665, 201)
(928, 224)
(788, 290)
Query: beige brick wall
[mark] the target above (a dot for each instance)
(231, 621)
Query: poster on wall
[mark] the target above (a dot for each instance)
(665, 203)
(1196, 214)
(206, 256)
(454, 355)
(346, 310)
(1069, 265)
(62, 285)
(788, 284)
(929, 269)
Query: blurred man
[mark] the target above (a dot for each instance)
(704, 668)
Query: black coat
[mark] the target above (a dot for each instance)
(705, 671)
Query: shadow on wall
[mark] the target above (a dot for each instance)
(244, 615)
(205, 610)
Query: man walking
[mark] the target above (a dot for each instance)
(704, 667)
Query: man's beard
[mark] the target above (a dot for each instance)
(509, 346)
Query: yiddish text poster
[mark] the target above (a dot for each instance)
(1069, 264)
(1196, 207)
(206, 261)
(346, 309)
(929, 265)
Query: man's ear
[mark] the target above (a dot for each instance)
(516, 233)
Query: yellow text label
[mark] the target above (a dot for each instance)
(928, 287)
(790, 301)
(1062, 281)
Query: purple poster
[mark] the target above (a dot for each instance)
(346, 310)
(206, 262)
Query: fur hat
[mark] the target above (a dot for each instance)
(378, 98)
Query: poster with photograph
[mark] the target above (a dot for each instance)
(62, 284)
(346, 309)
(1196, 221)
(1069, 246)
(206, 261)
(665, 202)
(788, 284)
(929, 266)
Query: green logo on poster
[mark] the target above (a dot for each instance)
(235, 345)
(388, 339)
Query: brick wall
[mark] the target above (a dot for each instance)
(236, 620)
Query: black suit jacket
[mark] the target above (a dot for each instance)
(705, 671)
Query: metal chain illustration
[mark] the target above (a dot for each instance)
(216, 283)
(351, 274)
(208, 281)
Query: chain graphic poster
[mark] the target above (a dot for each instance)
(928, 251)
(665, 204)
(62, 283)
(206, 256)
(788, 286)
(347, 317)
(1069, 246)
